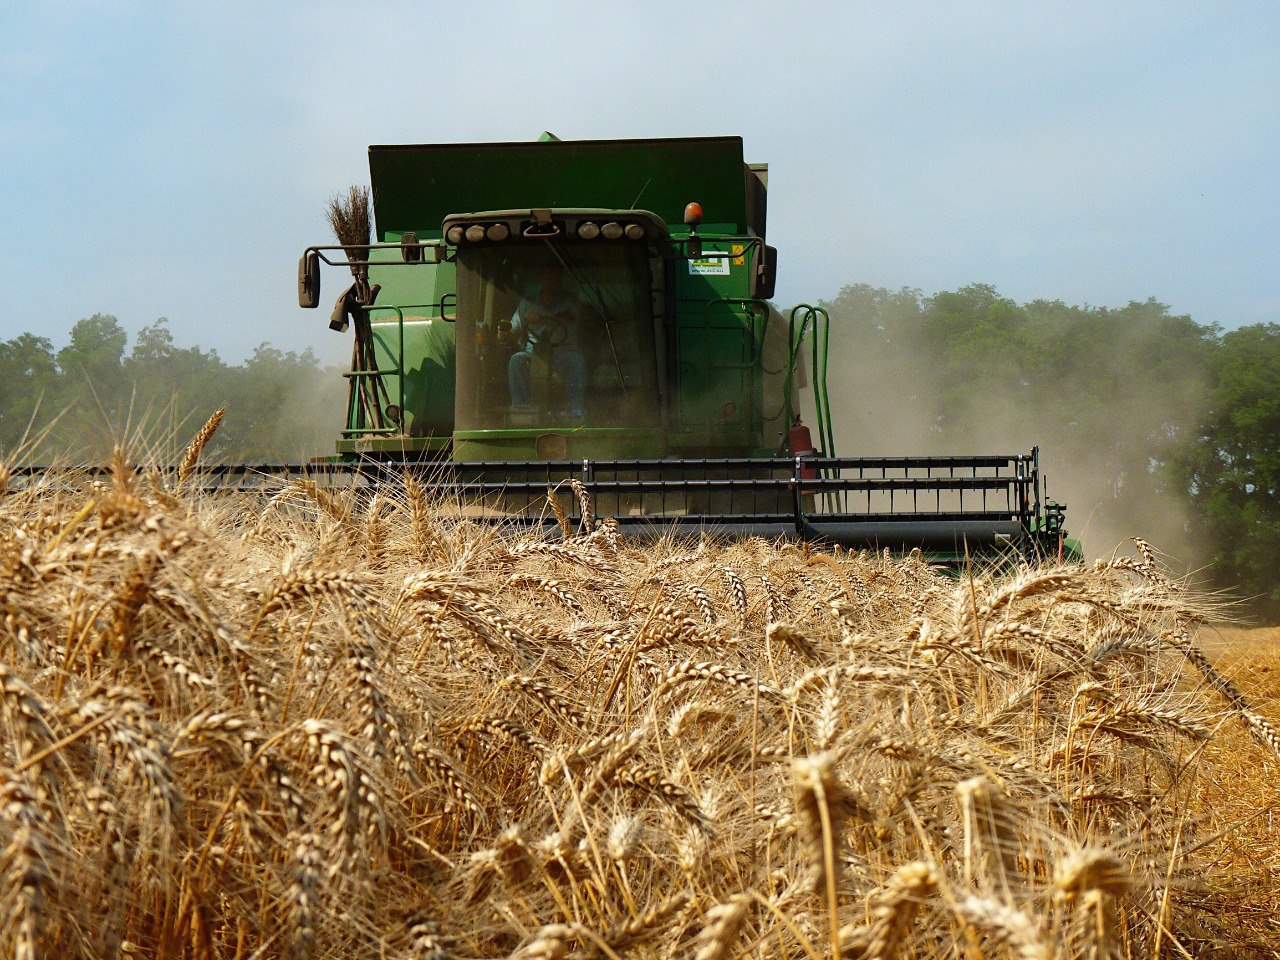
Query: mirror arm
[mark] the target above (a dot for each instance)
(407, 250)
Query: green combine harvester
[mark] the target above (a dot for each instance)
(598, 310)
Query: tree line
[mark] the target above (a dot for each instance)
(1149, 423)
(98, 390)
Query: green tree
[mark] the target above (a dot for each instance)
(95, 353)
(28, 375)
(175, 388)
(93, 391)
(1231, 470)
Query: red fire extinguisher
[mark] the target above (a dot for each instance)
(801, 442)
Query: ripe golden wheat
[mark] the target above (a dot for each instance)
(323, 724)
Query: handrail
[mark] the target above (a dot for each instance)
(398, 370)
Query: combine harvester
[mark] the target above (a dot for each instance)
(599, 310)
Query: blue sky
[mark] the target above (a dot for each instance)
(172, 159)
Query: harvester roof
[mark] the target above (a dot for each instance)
(415, 186)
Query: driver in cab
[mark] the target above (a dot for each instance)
(546, 324)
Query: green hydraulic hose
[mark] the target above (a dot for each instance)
(818, 405)
(820, 379)
(820, 350)
(826, 399)
(817, 385)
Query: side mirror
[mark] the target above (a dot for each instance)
(764, 272)
(309, 280)
(411, 247)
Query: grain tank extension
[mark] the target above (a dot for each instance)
(531, 312)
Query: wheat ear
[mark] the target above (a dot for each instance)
(894, 908)
(721, 926)
(196, 447)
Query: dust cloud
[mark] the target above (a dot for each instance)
(1103, 393)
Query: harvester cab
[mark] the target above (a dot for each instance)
(599, 310)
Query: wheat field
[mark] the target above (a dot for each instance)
(322, 725)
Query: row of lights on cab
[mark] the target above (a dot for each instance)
(497, 232)
(610, 231)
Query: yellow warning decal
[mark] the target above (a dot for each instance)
(738, 259)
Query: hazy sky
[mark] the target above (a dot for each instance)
(172, 159)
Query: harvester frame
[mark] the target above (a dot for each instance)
(705, 461)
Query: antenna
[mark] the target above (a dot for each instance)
(641, 193)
